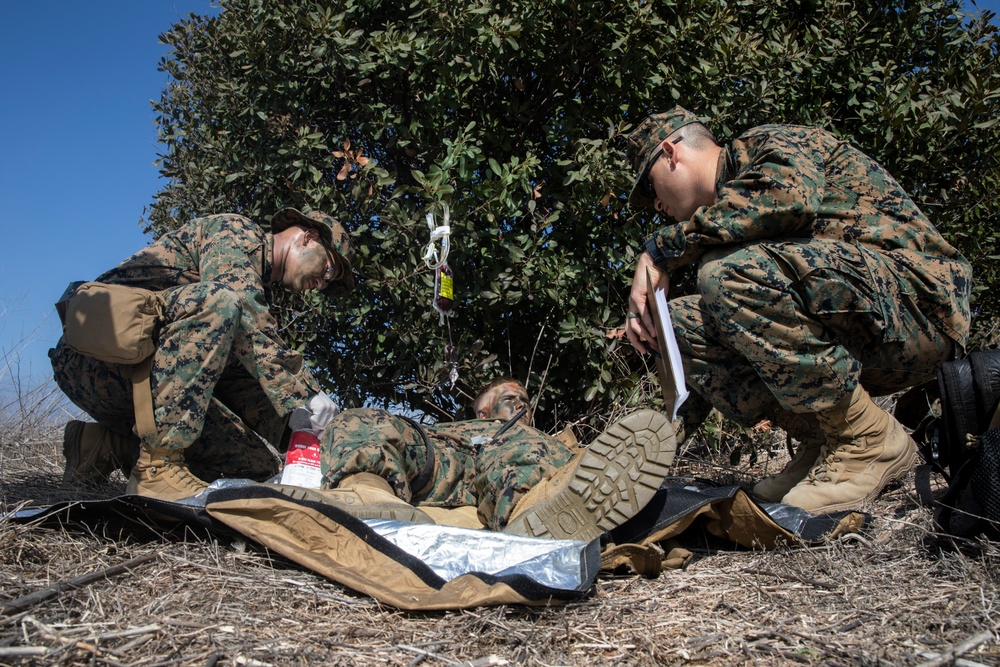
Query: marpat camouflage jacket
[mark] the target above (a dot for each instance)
(233, 250)
(794, 183)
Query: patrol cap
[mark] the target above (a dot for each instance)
(333, 234)
(643, 143)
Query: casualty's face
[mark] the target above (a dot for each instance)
(505, 400)
(307, 265)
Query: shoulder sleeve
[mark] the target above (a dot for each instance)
(231, 251)
(771, 184)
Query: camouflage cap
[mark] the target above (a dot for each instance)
(334, 234)
(643, 143)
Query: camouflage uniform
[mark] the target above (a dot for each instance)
(815, 272)
(468, 470)
(221, 375)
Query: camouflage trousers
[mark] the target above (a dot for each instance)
(205, 400)
(796, 326)
(468, 469)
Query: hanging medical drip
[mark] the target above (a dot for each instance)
(444, 287)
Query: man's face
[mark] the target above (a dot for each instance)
(309, 265)
(504, 401)
(674, 185)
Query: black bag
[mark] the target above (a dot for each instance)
(965, 446)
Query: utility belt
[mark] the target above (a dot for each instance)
(116, 324)
(422, 482)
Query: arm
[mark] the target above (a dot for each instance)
(231, 251)
(641, 330)
(771, 185)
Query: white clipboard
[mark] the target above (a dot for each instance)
(668, 360)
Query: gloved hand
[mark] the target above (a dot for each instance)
(315, 415)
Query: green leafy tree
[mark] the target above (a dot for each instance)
(513, 114)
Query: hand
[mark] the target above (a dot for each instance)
(639, 325)
(315, 415)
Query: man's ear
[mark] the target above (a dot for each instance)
(309, 234)
(671, 151)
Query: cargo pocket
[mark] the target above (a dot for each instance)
(848, 289)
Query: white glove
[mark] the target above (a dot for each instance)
(315, 415)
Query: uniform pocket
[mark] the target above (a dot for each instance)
(849, 289)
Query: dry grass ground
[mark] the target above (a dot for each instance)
(893, 596)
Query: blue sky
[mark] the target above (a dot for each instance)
(77, 146)
(77, 143)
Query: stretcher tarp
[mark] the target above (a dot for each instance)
(427, 566)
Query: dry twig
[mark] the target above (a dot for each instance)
(28, 601)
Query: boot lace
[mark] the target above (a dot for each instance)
(182, 478)
(821, 471)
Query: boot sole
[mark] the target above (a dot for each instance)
(617, 475)
(358, 511)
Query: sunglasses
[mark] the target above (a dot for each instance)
(646, 183)
(335, 271)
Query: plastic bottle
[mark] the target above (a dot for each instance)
(302, 461)
(444, 299)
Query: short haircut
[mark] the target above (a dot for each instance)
(484, 392)
(696, 135)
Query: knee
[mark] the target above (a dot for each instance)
(715, 276)
(727, 276)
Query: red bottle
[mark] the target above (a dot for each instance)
(302, 466)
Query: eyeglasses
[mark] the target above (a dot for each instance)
(335, 271)
(646, 184)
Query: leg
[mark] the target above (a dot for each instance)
(94, 451)
(472, 470)
(368, 458)
(714, 371)
(815, 319)
(604, 485)
(102, 390)
(201, 321)
(372, 441)
(808, 317)
(757, 312)
(194, 386)
(229, 448)
(194, 345)
(238, 422)
(505, 470)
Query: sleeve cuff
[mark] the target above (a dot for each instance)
(663, 247)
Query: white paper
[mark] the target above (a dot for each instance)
(668, 348)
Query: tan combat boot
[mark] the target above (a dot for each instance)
(866, 448)
(93, 452)
(162, 473)
(604, 485)
(806, 429)
(363, 495)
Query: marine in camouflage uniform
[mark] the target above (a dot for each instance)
(817, 276)
(519, 479)
(467, 466)
(222, 379)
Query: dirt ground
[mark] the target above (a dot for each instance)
(896, 595)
